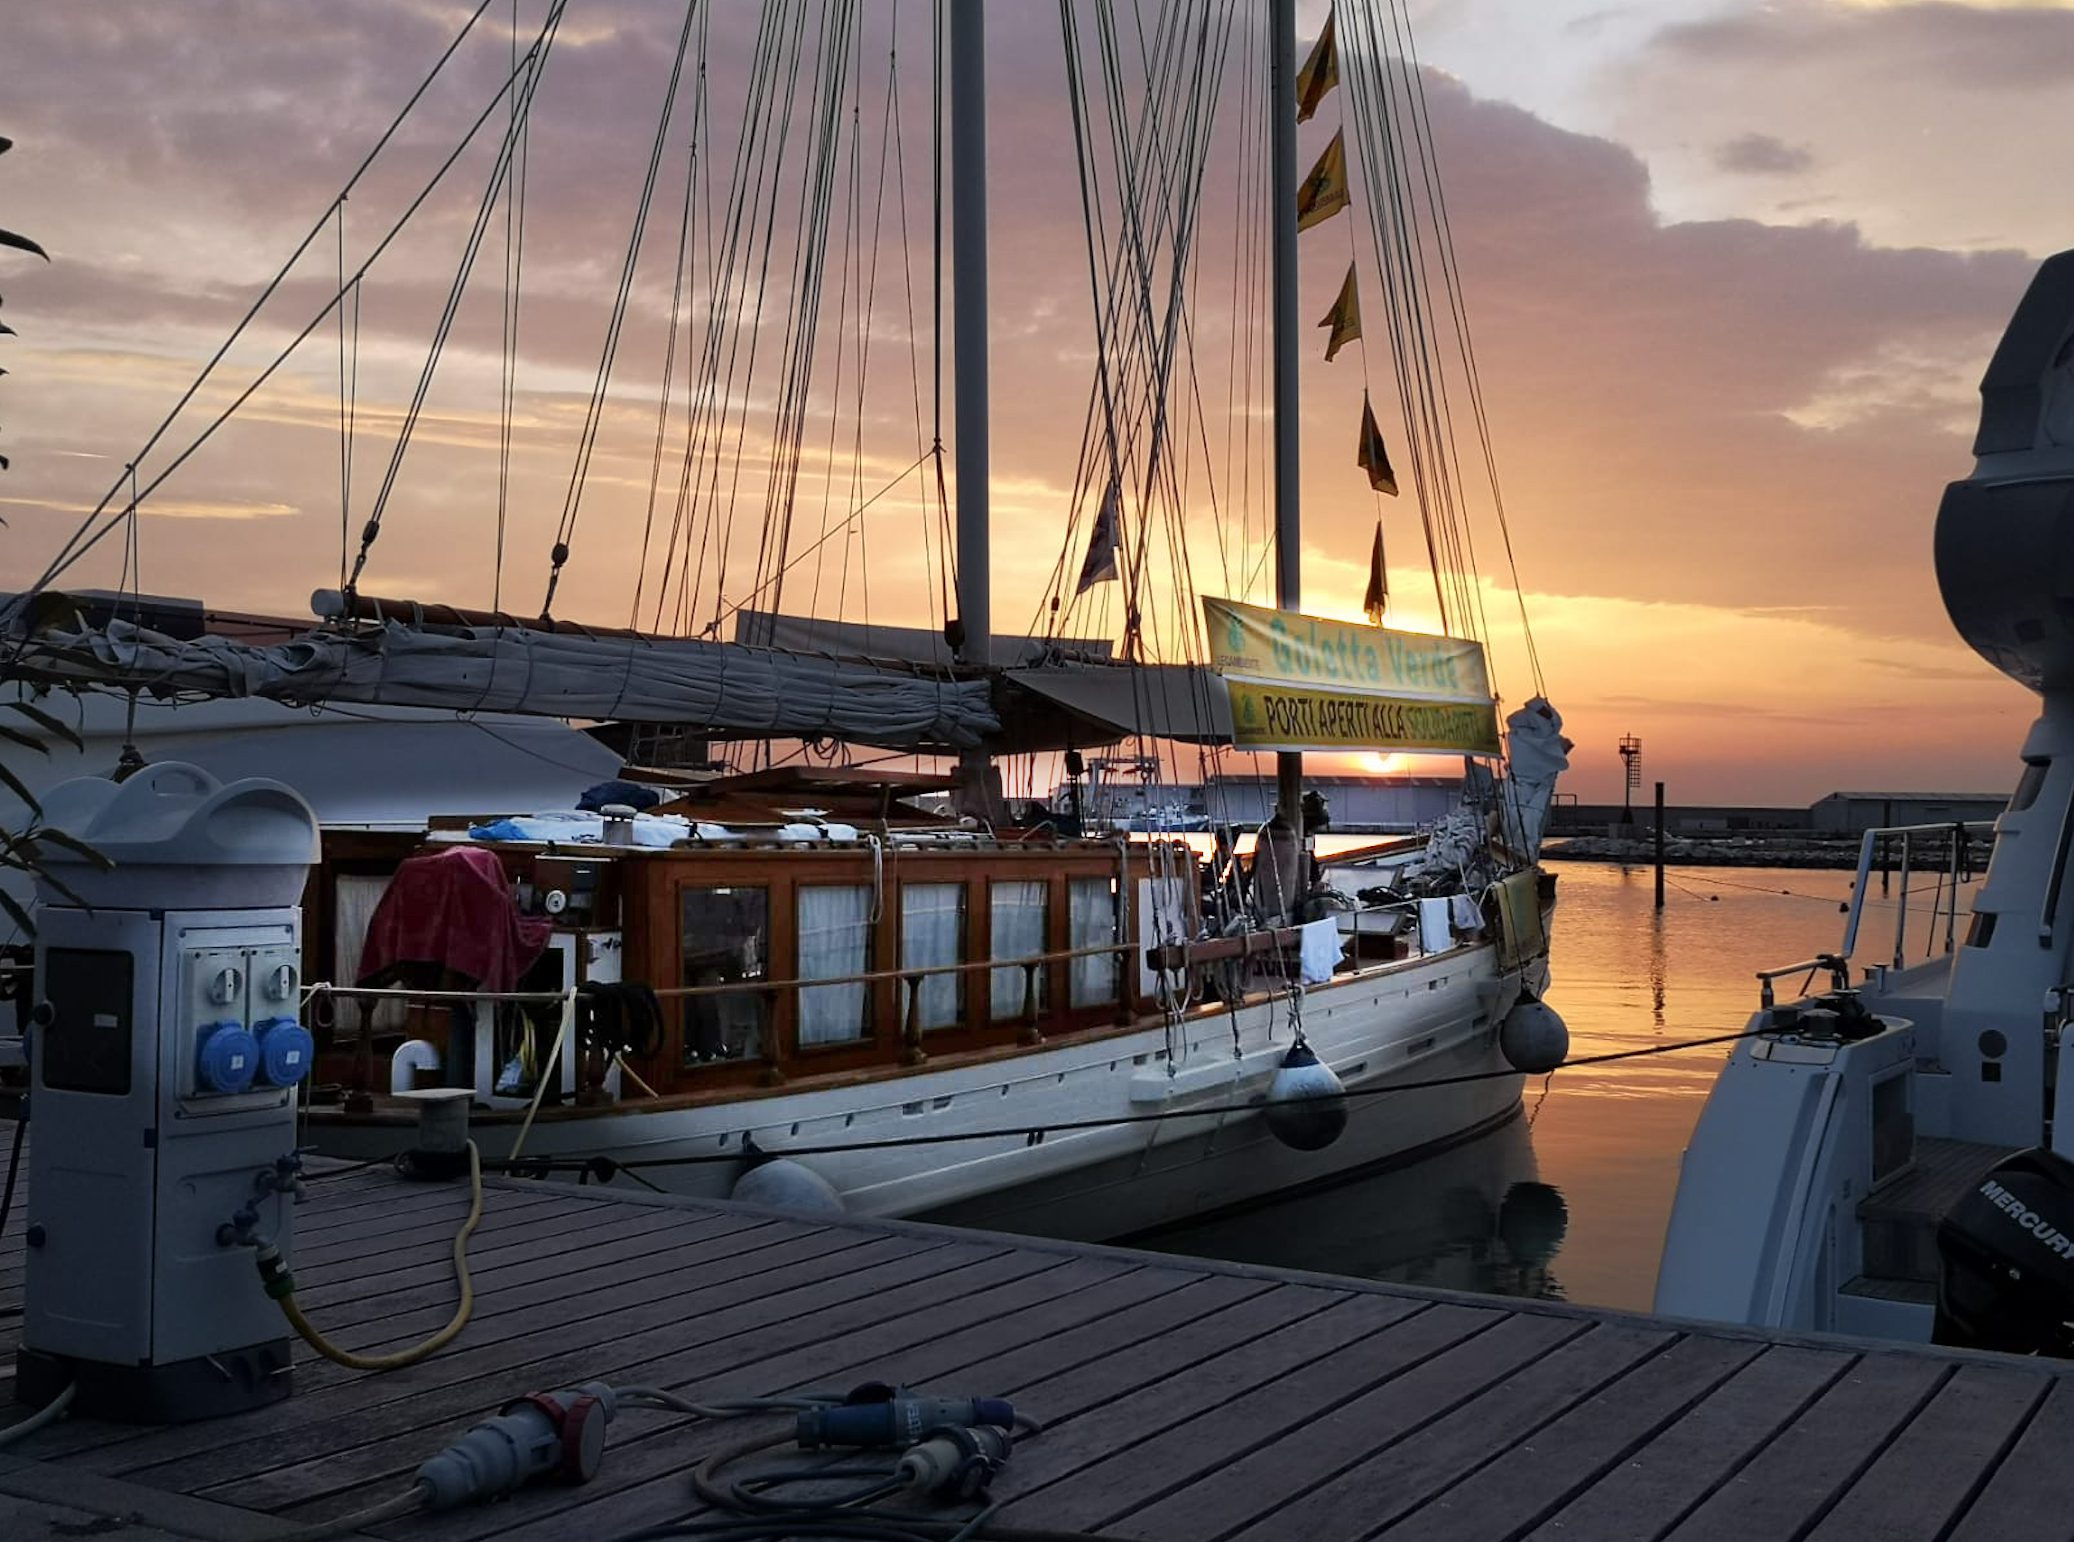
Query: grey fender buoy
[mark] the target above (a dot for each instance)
(1533, 1038)
(787, 1185)
(1306, 1105)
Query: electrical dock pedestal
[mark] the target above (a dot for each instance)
(165, 1048)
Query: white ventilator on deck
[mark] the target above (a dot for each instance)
(1835, 1140)
(165, 1047)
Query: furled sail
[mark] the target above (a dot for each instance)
(726, 689)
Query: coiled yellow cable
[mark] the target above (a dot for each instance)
(281, 1286)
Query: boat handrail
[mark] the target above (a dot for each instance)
(1956, 834)
(1839, 975)
(1953, 835)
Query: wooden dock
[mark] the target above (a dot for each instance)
(1182, 1400)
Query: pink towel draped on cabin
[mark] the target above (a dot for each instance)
(454, 910)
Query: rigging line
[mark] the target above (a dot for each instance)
(852, 264)
(802, 323)
(662, 408)
(508, 320)
(854, 515)
(1434, 406)
(1387, 220)
(869, 310)
(724, 333)
(1468, 347)
(65, 556)
(810, 268)
(1131, 266)
(345, 438)
(300, 337)
(544, 1165)
(1428, 172)
(499, 174)
(587, 441)
(697, 494)
(914, 357)
(765, 158)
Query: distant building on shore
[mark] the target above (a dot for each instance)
(1849, 813)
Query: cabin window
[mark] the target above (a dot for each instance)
(932, 935)
(835, 927)
(1019, 913)
(726, 941)
(2029, 785)
(1091, 922)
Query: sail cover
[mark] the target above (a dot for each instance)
(726, 689)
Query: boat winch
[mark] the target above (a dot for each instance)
(1306, 1104)
(165, 1048)
(1533, 1037)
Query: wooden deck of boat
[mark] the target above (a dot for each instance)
(1182, 1399)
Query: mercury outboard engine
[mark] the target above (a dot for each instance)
(2006, 1260)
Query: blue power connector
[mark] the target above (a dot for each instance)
(892, 1418)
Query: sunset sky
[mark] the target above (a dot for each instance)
(1734, 269)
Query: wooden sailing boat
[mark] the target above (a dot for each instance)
(839, 999)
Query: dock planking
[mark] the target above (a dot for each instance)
(1182, 1399)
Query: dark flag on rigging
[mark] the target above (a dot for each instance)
(1100, 566)
(1377, 599)
(1320, 72)
(1374, 458)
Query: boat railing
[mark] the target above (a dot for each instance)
(1899, 853)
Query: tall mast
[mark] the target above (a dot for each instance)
(968, 59)
(1282, 200)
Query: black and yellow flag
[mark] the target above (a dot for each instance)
(1324, 192)
(1344, 318)
(1320, 72)
(1377, 599)
(1374, 459)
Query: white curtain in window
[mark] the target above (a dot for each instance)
(1091, 921)
(1018, 911)
(834, 940)
(932, 932)
(354, 897)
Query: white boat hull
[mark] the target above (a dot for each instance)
(1176, 1147)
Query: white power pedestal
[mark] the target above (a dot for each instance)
(165, 1048)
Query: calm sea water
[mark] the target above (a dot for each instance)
(1571, 1200)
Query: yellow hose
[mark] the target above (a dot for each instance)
(281, 1286)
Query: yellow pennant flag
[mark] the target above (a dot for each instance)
(1374, 459)
(1324, 192)
(1320, 72)
(1344, 318)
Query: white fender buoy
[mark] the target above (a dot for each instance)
(411, 1057)
(784, 1184)
(1306, 1105)
(1533, 1038)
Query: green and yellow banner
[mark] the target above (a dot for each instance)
(1305, 683)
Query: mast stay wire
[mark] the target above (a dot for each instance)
(485, 210)
(79, 542)
(572, 505)
(1136, 351)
